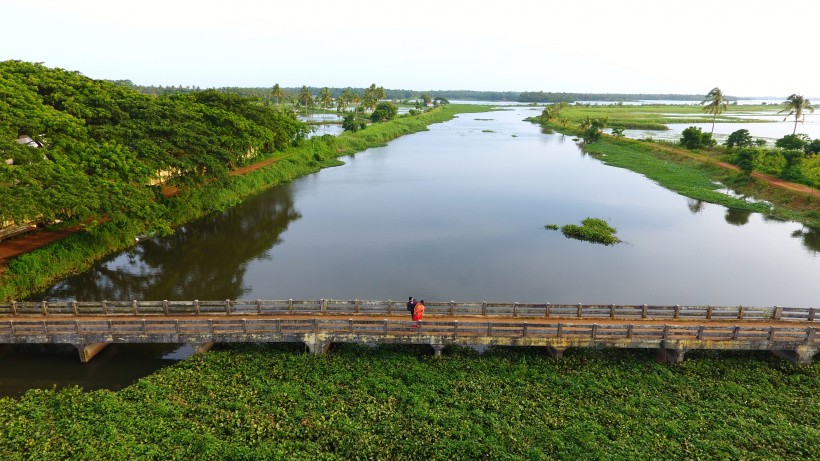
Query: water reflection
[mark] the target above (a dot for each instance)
(737, 217)
(695, 206)
(203, 260)
(45, 366)
(811, 238)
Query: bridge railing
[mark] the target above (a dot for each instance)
(397, 308)
(268, 327)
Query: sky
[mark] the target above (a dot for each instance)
(746, 48)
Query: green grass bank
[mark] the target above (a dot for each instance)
(699, 177)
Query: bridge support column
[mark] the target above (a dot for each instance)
(666, 355)
(437, 348)
(317, 346)
(801, 354)
(89, 351)
(203, 347)
(556, 352)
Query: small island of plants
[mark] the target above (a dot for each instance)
(593, 230)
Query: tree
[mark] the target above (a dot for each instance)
(793, 142)
(349, 123)
(740, 138)
(796, 105)
(344, 100)
(694, 138)
(325, 98)
(746, 159)
(715, 103)
(618, 131)
(305, 98)
(551, 111)
(277, 93)
(384, 111)
(592, 129)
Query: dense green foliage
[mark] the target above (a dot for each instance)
(593, 230)
(693, 138)
(384, 112)
(259, 402)
(739, 138)
(98, 146)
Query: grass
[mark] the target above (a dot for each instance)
(656, 117)
(400, 402)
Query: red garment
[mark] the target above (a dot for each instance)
(418, 312)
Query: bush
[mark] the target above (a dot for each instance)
(793, 142)
(746, 159)
(694, 138)
(384, 111)
(740, 138)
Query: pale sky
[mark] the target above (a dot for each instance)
(745, 47)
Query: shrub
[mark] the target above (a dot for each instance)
(694, 138)
(740, 138)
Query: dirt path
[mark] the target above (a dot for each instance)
(772, 180)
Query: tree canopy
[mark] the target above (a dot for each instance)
(100, 149)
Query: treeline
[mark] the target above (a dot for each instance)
(540, 96)
(77, 149)
(265, 95)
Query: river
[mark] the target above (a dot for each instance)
(458, 213)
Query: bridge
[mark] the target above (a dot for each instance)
(788, 332)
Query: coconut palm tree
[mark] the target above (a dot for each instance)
(305, 98)
(277, 93)
(796, 104)
(716, 103)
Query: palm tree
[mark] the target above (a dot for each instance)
(344, 100)
(796, 104)
(716, 103)
(305, 98)
(325, 99)
(277, 93)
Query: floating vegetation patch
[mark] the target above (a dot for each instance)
(487, 131)
(591, 230)
(484, 119)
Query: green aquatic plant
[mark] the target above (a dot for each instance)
(592, 230)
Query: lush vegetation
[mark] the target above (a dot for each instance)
(692, 166)
(99, 145)
(97, 150)
(593, 230)
(261, 402)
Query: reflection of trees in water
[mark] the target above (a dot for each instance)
(737, 217)
(695, 206)
(810, 236)
(205, 259)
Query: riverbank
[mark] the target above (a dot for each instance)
(704, 178)
(38, 269)
(400, 402)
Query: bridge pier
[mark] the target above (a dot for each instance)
(202, 347)
(89, 351)
(317, 346)
(675, 355)
(556, 352)
(802, 355)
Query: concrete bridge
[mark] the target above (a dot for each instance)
(672, 330)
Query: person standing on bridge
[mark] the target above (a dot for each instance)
(418, 313)
(411, 306)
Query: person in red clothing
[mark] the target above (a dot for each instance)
(418, 313)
